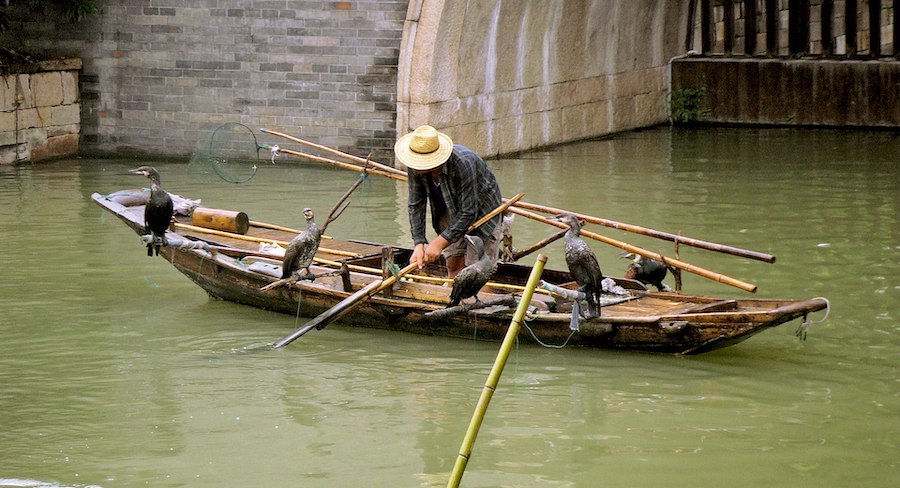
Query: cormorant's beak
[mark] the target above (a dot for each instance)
(138, 171)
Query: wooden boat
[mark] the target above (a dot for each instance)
(230, 266)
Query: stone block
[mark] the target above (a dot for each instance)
(55, 147)
(7, 121)
(30, 118)
(69, 81)
(24, 91)
(7, 93)
(13, 153)
(47, 88)
(65, 114)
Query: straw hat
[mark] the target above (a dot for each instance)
(424, 148)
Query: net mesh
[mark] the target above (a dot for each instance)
(230, 153)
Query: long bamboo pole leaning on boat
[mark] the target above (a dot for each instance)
(637, 229)
(351, 157)
(484, 401)
(343, 165)
(718, 277)
(374, 287)
(711, 246)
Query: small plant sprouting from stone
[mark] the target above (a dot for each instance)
(685, 105)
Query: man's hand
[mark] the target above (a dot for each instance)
(425, 254)
(418, 256)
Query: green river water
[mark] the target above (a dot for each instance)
(117, 371)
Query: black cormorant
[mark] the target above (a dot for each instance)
(469, 281)
(583, 265)
(647, 271)
(302, 248)
(158, 210)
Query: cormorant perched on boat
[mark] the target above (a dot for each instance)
(158, 210)
(302, 248)
(469, 281)
(647, 271)
(583, 265)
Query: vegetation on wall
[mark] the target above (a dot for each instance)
(685, 105)
(64, 10)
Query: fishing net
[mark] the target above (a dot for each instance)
(231, 153)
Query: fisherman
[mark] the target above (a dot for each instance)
(460, 188)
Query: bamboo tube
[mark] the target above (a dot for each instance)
(712, 246)
(218, 219)
(204, 230)
(465, 451)
(718, 277)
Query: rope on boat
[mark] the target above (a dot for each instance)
(803, 330)
(542, 343)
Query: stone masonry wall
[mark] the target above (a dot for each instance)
(815, 13)
(39, 113)
(161, 75)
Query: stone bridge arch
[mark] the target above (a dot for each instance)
(504, 76)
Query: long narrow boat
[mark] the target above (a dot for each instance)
(230, 266)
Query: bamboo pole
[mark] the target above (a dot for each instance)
(266, 225)
(465, 451)
(401, 176)
(711, 246)
(339, 164)
(517, 255)
(718, 277)
(234, 252)
(335, 152)
(220, 233)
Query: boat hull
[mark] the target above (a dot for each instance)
(648, 321)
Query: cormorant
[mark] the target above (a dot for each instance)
(302, 248)
(583, 265)
(647, 271)
(158, 210)
(469, 281)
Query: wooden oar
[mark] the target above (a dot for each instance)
(718, 277)
(493, 379)
(344, 306)
(367, 291)
(712, 246)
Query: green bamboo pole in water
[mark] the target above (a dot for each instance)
(465, 451)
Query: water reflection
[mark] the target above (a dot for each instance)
(117, 371)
